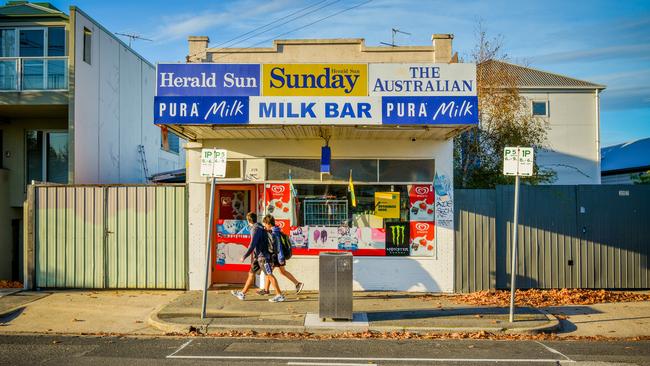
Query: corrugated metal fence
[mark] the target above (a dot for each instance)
(110, 236)
(569, 236)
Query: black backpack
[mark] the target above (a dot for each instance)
(285, 245)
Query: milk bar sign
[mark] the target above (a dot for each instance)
(316, 94)
(213, 163)
(518, 161)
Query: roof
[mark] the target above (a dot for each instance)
(24, 9)
(629, 156)
(529, 78)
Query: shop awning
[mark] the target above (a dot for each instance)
(199, 132)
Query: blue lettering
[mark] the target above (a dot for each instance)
(278, 77)
(267, 110)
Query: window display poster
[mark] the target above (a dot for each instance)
(233, 204)
(284, 225)
(278, 201)
(232, 239)
(387, 205)
(298, 236)
(421, 202)
(371, 238)
(323, 237)
(261, 202)
(397, 238)
(422, 243)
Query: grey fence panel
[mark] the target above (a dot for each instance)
(614, 243)
(568, 237)
(111, 236)
(475, 239)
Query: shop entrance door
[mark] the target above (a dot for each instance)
(232, 203)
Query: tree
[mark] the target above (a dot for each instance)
(504, 120)
(641, 178)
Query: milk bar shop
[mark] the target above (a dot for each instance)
(348, 146)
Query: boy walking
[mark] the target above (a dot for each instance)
(278, 257)
(260, 259)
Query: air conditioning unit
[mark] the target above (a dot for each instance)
(335, 285)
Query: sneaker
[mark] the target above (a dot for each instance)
(299, 287)
(262, 292)
(277, 298)
(238, 294)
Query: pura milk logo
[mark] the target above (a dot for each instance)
(335, 80)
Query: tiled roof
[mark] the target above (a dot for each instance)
(27, 9)
(533, 78)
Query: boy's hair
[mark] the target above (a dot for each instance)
(268, 219)
(251, 217)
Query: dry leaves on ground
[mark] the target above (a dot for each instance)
(10, 284)
(543, 298)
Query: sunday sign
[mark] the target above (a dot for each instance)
(316, 94)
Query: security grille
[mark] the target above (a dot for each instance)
(319, 212)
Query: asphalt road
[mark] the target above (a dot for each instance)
(68, 350)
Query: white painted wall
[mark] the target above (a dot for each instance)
(572, 137)
(113, 104)
(370, 273)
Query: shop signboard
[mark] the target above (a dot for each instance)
(315, 110)
(201, 110)
(397, 238)
(421, 202)
(207, 79)
(421, 110)
(407, 79)
(387, 205)
(422, 243)
(343, 80)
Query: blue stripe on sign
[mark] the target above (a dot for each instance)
(429, 110)
(200, 110)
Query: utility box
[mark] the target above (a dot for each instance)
(335, 285)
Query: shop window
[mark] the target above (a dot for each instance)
(278, 169)
(363, 170)
(540, 109)
(88, 35)
(234, 170)
(406, 170)
(46, 156)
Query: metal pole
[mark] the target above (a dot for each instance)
(208, 251)
(514, 252)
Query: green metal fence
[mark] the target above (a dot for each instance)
(110, 236)
(568, 237)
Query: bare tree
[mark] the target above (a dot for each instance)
(504, 120)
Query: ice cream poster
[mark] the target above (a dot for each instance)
(422, 243)
(325, 237)
(278, 201)
(421, 202)
(232, 239)
(230, 228)
(229, 255)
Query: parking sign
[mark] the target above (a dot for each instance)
(518, 161)
(213, 163)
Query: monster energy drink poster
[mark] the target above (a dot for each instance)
(397, 238)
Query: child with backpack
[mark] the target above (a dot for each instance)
(282, 252)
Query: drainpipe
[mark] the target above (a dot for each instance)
(598, 131)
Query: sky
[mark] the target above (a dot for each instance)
(605, 42)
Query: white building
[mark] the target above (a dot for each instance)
(75, 107)
(571, 107)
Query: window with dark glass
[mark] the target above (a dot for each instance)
(56, 41)
(278, 169)
(406, 170)
(88, 34)
(32, 43)
(540, 109)
(46, 156)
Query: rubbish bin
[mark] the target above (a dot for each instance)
(335, 285)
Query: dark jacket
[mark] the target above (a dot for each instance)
(276, 232)
(259, 245)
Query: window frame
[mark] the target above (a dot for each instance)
(532, 108)
(45, 132)
(89, 33)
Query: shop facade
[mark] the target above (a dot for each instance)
(349, 147)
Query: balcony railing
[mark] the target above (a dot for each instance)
(33, 73)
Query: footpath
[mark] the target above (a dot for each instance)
(155, 313)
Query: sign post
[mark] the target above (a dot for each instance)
(517, 161)
(213, 165)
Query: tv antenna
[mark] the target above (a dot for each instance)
(132, 37)
(395, 31)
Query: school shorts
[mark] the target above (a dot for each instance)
(260, 263)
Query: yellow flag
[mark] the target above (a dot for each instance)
(351, 188)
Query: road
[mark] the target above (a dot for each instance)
(69, 350)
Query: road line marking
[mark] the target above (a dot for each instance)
(181, 348)
(287, 358)
(553, 350)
